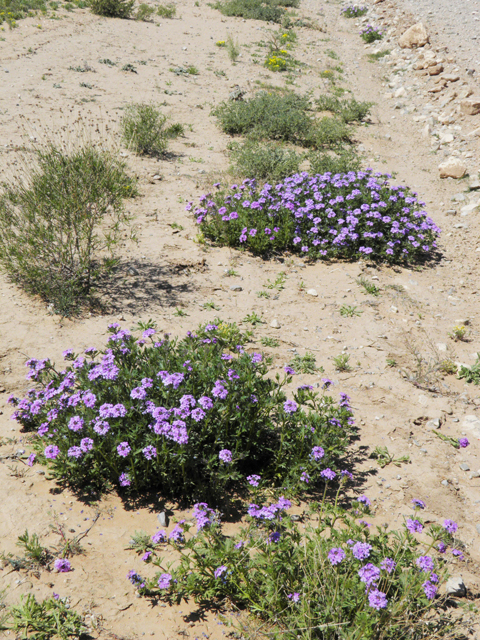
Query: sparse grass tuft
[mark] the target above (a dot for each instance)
(143, 128)
(374, 57)
(348, 311)
(233, 48)
(268, 161)
(112, 8)
(304, 364)
(144, 12)
(368, 287)
(341, 362)
(167, 10)
(269, 10)
(349, 110)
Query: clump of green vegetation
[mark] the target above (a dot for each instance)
(469, 374)
(143, 129)
(269, 342)
(144, 12)
(268, 10)
(233, 48)
(349, 110)
(268, 161)
(304, 364)
(374, 57)
(367, 286)
(254, 319)
(354, 11)
(13, 10)
(341, 362)
(383, 457)
(185, 71)
(129, 67)
(459, 333)
(51, 618)
(343, 160)
(59, 217)
(108, 62)
(349, 311)
(112, 8)
(167, 10)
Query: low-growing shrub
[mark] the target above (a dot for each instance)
(265, 161)
(233, 48)
(349, 110)
(354, 11)
(189, 417)
(370, 34)
(321, 216)
(344, 160)
(331, 132)
(144, 12)
(59, 218)
(469, 374)
(112, 8)
(51, 618)
(267, 10)
(333, 577)
(167, 10)
(143, 129)
(13, 10)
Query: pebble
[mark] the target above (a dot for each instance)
(445, 483)
(434, 424)
(456, 587)
(236, 287)
(275, 324)
(162, 519)
(478, 528)
(465, 467)
(312, 292)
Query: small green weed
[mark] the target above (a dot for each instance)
(231, 273)
(233, 49)
(269, 10)
(108, 62)
(33, 550)
(144, 12)
(348, 311)
(470, 374)
(459, 333)
(263, 294)
(180, 313)
(371, 34)
(210, 305)
(343, 160)
(354, 11)
(374, 57)
(143, 128)
(253, 319)
(112, 8)
(341, 362)
(449, 368)
(349, 110)
(269, 342)
(278, 283)
(384, 457)
(391, 362)
(167, 10)
(367, 286)
(51, 618)
(304, 364)
(129, 67)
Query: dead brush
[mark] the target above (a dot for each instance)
(426, 366)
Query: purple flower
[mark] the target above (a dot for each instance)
(51, 452)
(124, 480)
(101, 427)
(149, 452)
(388, 565)
(159, 536)
(220, 571)
(364, 500)
(225, 455)
(369, 574)
(256, 358)
(418, 504)
(336, 555)
(136, 579)
(75, 423)
(457, 553)
(89, 399)
(62, 565)
(414, 526)
(205, 402)
(164, 581)
(253, 480)
(219, 390)
(138, 393)
(430, 590)
(450, 526)
(146, 556)
(463, 442)
(377, 599)
(86, 444)
(424, 563)
(290, 406)
(31, 459)
(328, 474)
(361, 550)
(289, 370)
(294, 597)
(317, 453)
(123, 449)
(176, 534)
(305, 477)
(441, 547)
(274, 537)
(326, 383)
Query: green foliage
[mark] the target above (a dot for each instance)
(278, 283)
(449, 368)
(269, 342)
(341, 362)
(367, 286)
(233, 48)
(58, 218)
(129, 67)
(267, 10)
(210, 305)
(112, 8)
(13, 10)
(469, 374)
(304, 364)
(453, 442)
(46, 620)
(391, 362)
(225, 399)
(371, 34)
(180, 313)
(144, 12)
(143, 128)
(108, 62)
(374, 57)
(345, 159)
(383, 457)
(254, 319)
(167, 10)
(349, 110)
(459, 333)
(306, 578)
(354, 11)
(349, 311)
(33, 550)
(269, 161)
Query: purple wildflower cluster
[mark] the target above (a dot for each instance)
(270, 512)
(342, 215)
(370, 33)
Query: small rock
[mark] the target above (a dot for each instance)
(452, 168)
(447, 138)
(451, 212)
(474, 474)
(415, 36)
(478, 528)
(474, 183)
(435, 70)
(441, 346)
(312, 292)
(162, 519)
(434, 424)
(275, 324)
(393, 309)
(459, 197)
(399, 93)
(470, 106)
(464, 466)
(444, 483)
(451, 77)
(469, 209)
(236, 287)
(455, 587)
(132, 271)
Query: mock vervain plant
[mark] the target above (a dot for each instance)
(61, 221)
(333, 577)
(354, 11)
(321, 216)
(370, 34)
(191, 417)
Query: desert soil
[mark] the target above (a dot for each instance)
(395, 406)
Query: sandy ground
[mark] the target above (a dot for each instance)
(40, 94)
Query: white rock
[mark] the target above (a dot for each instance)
(469, 209)
(452, 168)
(472, 423)
(275, 324)
(446, 138)
(413, 37)
(312, 292)
(441, 346)
(399, 93)
(456, 587)
(470, 106)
